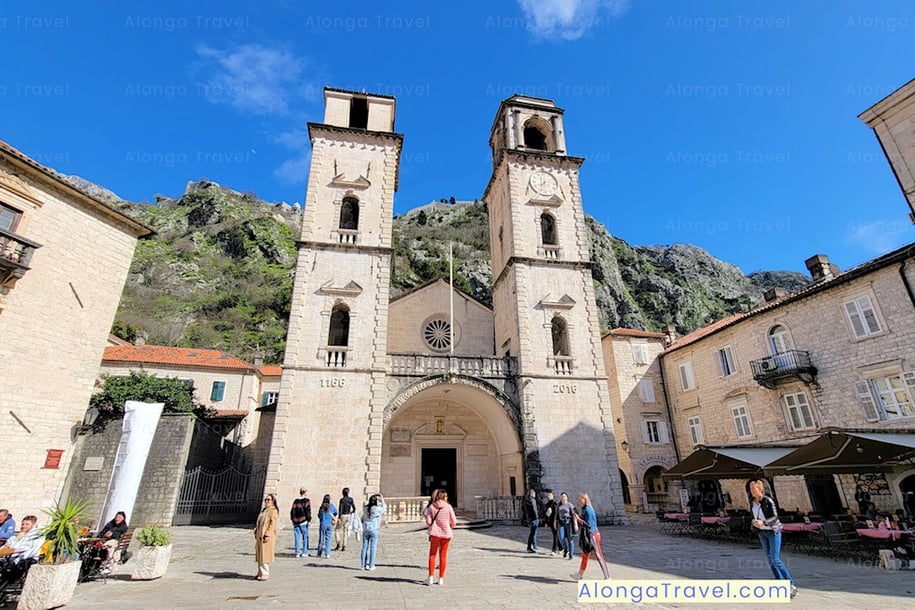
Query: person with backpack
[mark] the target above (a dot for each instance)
(769, 529)
(300, 514)
(590, 538)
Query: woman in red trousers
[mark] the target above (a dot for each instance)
(441, 521)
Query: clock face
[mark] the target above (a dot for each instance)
(543, 183)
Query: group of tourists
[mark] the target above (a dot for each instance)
(565, 521)
(335, 526)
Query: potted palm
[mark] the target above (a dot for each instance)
(154, 554)
(52, 581)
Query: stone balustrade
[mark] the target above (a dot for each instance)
(423, 365)
(499, 508)
(404, 510)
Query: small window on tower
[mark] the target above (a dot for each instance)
(349, 214)
(359, 113)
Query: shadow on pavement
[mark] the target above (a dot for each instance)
(227, 575)
(539, 579)
(391, 579)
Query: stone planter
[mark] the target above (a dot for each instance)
(152, 562)
(49, 586)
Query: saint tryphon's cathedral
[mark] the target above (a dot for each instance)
(432, 388)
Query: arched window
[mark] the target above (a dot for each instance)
(349, 214)
(534, 138)
(339, 326)
(560, 337)
(548, 230)
(780, 340)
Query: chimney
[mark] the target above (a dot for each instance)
(774, 294)
(258, 360)
(820, 268)
(670, 333)
(140, 339)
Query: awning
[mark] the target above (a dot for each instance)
(843, 451)
(726, 462)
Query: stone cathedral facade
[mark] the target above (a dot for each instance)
(402, 395)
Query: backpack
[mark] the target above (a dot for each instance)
(585, 542)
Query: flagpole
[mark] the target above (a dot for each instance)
(451, 294)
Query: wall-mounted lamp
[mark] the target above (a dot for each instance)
(89, 420)
(859, 448)
(625, 446)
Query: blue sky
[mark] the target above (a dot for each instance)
(730, 125)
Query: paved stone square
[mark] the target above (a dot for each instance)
(214, 567)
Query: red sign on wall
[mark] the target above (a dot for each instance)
(53, 459)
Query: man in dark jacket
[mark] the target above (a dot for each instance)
(300, 515)
(549, 515)
(532, 514)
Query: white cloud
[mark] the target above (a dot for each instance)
(295, 170)
(569, 19)
(880, 236)
(253, 78)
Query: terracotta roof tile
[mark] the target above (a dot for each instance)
(270, 370)
(634, 332)
(178, 356)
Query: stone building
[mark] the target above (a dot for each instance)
(64, 258)
(433, 389)
(837, 354)
(645, 447)
(893, 122)
(230, 387)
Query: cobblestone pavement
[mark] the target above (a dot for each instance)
(213, 567)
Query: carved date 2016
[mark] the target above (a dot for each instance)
(564, 388)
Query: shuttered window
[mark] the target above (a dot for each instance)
(862, 317)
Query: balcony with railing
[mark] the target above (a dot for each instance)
(422, 365)
(784, 367)
(15, 254)
(561, 365)
(347, 236)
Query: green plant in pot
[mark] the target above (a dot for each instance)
(51, 582)
(153, 535)
(154, 554)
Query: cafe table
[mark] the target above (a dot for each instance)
(713, 520)
(801, 527)
(881, 533)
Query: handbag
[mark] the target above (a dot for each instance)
(584, 539)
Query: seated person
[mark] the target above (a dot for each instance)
(20, 551)
(111, 534)
(7, 525)
(871, 512)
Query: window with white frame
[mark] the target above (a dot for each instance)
(725, 359)
(695, 430)
(890, 397)
(780, 340)
(269, 399)
(639, 353)
(741, 419)
(655, 432)
(687, 379)
(862, 317)
(646, 390)
(9, 218)
(800, 417)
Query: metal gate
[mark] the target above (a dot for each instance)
(226, 496)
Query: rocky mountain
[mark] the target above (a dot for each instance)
(219, 272)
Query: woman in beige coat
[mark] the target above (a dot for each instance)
(265, 537)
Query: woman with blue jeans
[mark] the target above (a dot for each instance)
(371, 522)
(769, 529)
(564, 515)
(326, 515)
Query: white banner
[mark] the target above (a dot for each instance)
(139, 428)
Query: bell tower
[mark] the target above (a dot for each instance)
(545, 310)
(328, 423)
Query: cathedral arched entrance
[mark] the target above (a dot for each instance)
(460, 435)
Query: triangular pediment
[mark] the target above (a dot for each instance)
(553, 201)
(360, 182)
(349, 289)
(563, 302)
